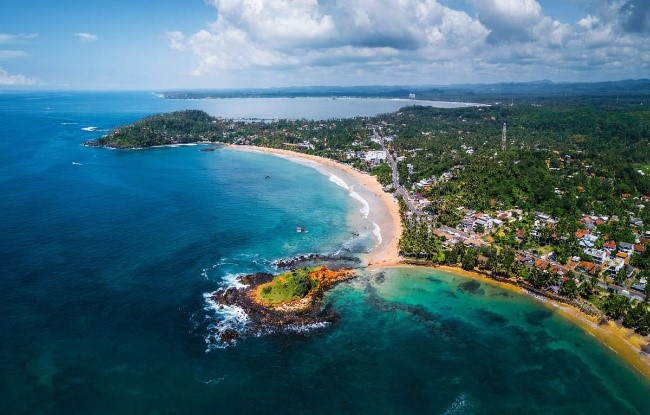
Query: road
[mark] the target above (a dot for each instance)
(399, 189)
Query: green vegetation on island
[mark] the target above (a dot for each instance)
(289, 286)
(180, 127)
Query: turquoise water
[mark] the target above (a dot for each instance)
(106, 257)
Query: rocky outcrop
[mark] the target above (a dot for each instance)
(303, 311)
(333, 261)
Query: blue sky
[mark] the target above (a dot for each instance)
(167, 44)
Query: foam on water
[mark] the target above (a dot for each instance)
(365, 209)
(461, 405)
(376, 230)
(232, 280)
(221, 318)
(306, 328)
(338, 181)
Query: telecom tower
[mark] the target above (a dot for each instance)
(503, 138)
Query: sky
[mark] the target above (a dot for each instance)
(174, 44)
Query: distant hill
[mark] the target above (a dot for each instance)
(477, 92)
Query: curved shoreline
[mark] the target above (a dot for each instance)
(625, 343)
(382, 208)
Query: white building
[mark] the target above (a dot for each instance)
(375, 157)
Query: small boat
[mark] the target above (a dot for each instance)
(300, 229)
(206, 149)
(267, 177)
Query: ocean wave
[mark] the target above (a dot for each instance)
(338, 181)
(220, 318)
(293, 328)
(376, 230)
(89, 128)
(232, 280)
(69, 123)
(460, 405)
(365, 209)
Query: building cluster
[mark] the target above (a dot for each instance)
(602, 254)
(372, 157)
(484, 223)
(433, 180)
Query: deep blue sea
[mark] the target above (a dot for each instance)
(106, 257)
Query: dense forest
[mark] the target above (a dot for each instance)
(179, 127)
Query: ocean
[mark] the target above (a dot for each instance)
(107, 258)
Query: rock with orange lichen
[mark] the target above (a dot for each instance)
(292, 298)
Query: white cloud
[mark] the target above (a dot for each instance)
(415, 40)
(86, 37)
(7, 79)
(282, 33)
(6, 38)
(7, 54)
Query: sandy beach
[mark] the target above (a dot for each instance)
(624, 342)
(382, 209)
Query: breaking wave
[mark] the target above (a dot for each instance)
(365, 209)
(220, 318)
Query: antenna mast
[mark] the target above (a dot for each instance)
(503, 138)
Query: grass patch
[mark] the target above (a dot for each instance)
(288, 286)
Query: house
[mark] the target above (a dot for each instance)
(626, 248)
(375, 157)
(581, 233)
(638, 248)
(305, 145)
(541, 264)
(636, 222)
(597, 255)
(467, 224)
(586, 267)
(588, 241)
(610, 246)
(615, 265)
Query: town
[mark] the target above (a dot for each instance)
(549, 197)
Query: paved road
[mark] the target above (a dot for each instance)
(395, 176)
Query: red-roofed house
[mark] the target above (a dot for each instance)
(581, 233)
(541, 264)
(639, 248)
(611, 245)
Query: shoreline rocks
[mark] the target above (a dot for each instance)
(304, 311)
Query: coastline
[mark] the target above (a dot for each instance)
(622, 341)
(384, 211)
(382, 208)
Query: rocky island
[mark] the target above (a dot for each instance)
(292, 298)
